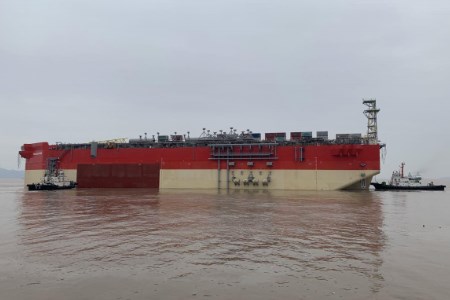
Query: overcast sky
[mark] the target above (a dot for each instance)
(83, 70)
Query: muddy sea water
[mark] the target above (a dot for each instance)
(195, 244)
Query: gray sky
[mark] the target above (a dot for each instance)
(83, 70)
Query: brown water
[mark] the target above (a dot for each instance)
(149, 244)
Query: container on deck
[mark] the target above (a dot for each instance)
(352, 138)
(269, 136)
(275, 136)
(163, 138)
(177, 138)
(341, 136)
(355, 138)
(256, 136)
(306, 135)
(323, 135)
(296, 136)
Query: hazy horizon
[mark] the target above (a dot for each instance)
(77, 71)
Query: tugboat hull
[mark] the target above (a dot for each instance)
(50, 187)
(388, 187)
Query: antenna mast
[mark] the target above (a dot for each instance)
(371, 114)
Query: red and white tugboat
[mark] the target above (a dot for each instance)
(411, 182)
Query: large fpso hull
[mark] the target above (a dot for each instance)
(288, 167)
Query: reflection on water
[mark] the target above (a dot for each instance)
(191, 235)
(149, 244)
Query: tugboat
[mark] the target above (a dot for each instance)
(406, 183)
(54, 179)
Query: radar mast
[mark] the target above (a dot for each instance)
(371, 114)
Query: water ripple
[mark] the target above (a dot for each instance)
(299, 235)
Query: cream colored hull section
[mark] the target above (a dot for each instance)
(236, 179)
(264, 179)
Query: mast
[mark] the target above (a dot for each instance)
(371, 114)
(402, 165)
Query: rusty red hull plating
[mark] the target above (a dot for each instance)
(140, 167)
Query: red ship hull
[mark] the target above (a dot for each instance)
(258, 166)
